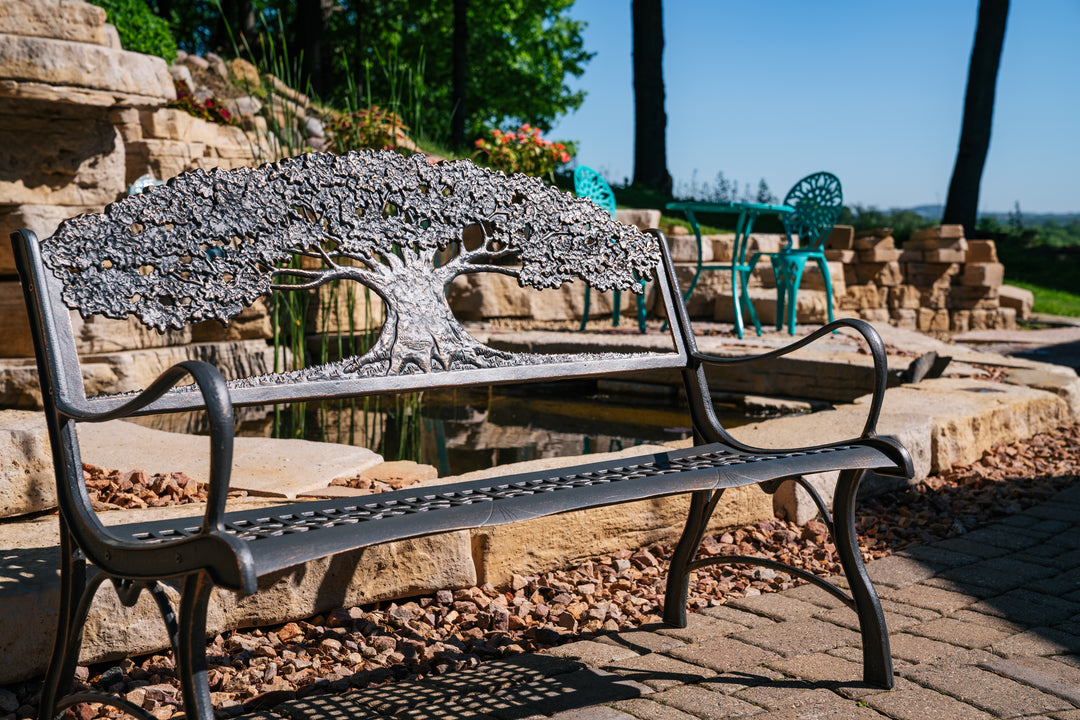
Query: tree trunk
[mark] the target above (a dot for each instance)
(311, 26)
(650, 120)
(963, 199)
(460, 74)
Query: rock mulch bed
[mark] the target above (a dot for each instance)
(452, 630)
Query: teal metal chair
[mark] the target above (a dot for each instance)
(816, 200)
(588, 183)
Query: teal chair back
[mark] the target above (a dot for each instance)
(588, 183)
(817, 200)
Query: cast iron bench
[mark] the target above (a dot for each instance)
(207, 244)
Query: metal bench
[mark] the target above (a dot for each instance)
(207, 244)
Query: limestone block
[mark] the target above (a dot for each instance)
(945, 255)
(906, 318)
(812, 279)
(875, 315)
(911, 256)
(642, 219)
(19, 386)
(930, 274)
(1003, 318)
(27, 483)
(970, 298)
(982, 251)
(112, 37)
(723, 246)
(969, 416)
(983, 274)
(863, 297)
(766, 242)
(167, 123)
(882, 274)
(935, 298)
(1060, 380)
(245, 105)
(59, 156)
(874, 241)
(58, 62)
(910, 426)
(393, 570)
(851, 276)
(979, 319)
(810, 306)
(491, 295)
(244, 73)
(71, 20)
(880, 255)
(960, 321)
(933, 236)
(97, 334)
(14, 325)
(253, 322)
(42, 219)
(136, 369)
(931, 320)
(1018, 299)
(841, 256)
(126, 120)
(840, 237)
(904, 297)
(684, 248)
(268, 467)
(165, 159)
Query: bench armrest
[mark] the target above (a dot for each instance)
(215, 393)
(877, 351)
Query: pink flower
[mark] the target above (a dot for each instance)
(565, 157)
(479, 142)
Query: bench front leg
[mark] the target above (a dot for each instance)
(191, 646)
(702, 505)
(877, 662)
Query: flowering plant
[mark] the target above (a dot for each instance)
(521, 151)
(370, 127)
(207, 110)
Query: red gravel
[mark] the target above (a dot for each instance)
(357, 647)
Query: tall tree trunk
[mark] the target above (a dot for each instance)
(963, 199)
(459, 90)
(650, 120)
(312, 26)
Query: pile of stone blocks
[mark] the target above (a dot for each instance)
(938, 281)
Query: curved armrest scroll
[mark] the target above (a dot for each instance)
(215, 393)
(877, 351)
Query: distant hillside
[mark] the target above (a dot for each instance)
(934, 212)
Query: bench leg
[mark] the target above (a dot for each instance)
(191, 647)
(877, 662)
(69, 625)
(702, 505)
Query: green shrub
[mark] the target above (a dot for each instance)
(139, 28)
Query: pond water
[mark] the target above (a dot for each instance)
(467, 429)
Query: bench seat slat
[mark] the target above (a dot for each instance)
(290, 534)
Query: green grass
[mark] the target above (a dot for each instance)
(1052, 274)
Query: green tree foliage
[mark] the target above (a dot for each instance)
(139, 28)
(520, 55)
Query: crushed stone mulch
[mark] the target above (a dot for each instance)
(452, 630)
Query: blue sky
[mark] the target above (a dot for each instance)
(872, 91)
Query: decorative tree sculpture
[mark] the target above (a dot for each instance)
(207, 244)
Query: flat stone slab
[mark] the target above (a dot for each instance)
(268, 467)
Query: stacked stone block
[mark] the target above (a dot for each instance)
(937, 282)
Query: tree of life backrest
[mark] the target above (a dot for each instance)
(588, 183)
(817, 200)
(206, 245)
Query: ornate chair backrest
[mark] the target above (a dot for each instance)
(817, 200)
(206, 245)
(589, 184)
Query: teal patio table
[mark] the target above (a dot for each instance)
(740, 271)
